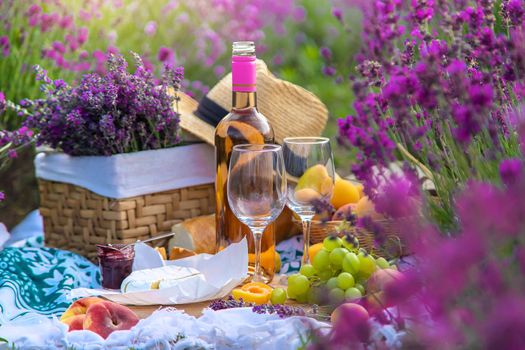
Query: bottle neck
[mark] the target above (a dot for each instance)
(244, 82)
(243, 100)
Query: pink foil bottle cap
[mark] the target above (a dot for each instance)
(244, 76)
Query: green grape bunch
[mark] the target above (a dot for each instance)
(339, 272)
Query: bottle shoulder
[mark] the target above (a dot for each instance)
(246, 119)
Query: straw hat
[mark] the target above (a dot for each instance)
(290, 109)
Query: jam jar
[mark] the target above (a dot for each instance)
(115, 263)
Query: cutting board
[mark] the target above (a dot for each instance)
(196, 308)
(191, 309)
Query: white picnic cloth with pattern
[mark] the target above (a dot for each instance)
(170, 329)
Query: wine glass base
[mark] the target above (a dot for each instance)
(266, 278)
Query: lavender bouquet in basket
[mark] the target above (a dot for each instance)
(120, 112)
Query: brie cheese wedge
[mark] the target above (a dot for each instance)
(158, 278)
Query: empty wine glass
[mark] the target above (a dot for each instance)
(310, 176)
(257, 190)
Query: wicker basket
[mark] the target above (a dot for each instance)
(77, 219)
(391, 248)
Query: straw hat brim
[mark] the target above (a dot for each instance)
(191, 123)
(290, 109)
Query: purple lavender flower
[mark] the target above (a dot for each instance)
(151, 28)
(82, 36)
(5, 45)
(510, 171)
(3, 103)
(282, 311)
(166, 55)
(337, 13)
(12, 154)
(115, 113)
(329, 70)
(326, 53)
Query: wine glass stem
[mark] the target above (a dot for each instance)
(257, 236)
(306, 238)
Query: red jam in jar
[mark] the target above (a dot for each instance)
(115, 263)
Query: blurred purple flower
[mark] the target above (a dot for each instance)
(196, 84)
(511, 170)
(278, 59)
(5, 45)
(72, 42)
(326, 53)
(151, 28)
(83, 34)
(2, 196)
(329, 70)
(66, 22)
(337, 13)
(59, 47)
(85, 15)
(513, 11)
(166, 55)
(218, 71)
(12, 154)
(3, 103)
(481, 96)
(299, 14)
(33, 10)
(47, 21)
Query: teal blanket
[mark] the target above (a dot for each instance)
(37, 279)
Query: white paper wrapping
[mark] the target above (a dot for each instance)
(221, 273)
(132, 174)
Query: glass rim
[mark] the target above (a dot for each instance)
(250, 147)
(312, 140)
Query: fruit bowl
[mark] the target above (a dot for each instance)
(393, 247)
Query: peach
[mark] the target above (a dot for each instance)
(381, 278)
(350, 323)
(344, 212)
(79, 307)
(376, 285)
(365, 207)
(106, 317)
(355, 310)
(75, 322)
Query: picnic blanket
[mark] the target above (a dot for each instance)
(34, 278)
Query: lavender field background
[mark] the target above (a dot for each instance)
(308, 42)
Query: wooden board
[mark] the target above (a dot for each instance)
(192, 309)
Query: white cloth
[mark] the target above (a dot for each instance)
(226, 329)
(4, 235)
(132, 174)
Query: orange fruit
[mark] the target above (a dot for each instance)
(266, 259)
(344, 192)
(314, 249)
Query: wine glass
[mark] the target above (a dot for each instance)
(310, 175)
(257, 190)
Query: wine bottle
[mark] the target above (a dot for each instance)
(244, 124)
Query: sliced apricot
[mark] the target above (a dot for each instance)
(256, 286)
(252, 294)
